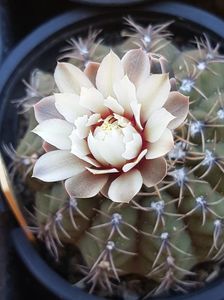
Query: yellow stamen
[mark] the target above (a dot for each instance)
(110, 123)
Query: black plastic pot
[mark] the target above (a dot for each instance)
(6, 286)
(5, 30)
(35, 51)
(111, 3)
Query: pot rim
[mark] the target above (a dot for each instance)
(35, 264)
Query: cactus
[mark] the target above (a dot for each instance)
(165, 232)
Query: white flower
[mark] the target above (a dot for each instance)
(109, 127)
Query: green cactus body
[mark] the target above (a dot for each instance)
(166, 230)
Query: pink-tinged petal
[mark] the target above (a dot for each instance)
(162, 146)
(127, 167)
(125, 187)
(173, 84)
(70, 79)
(110, 71)
(82, 129)
(56, 132)
(93, 100)
(178, 105)
(79, 146)
(45, 109)
(136, 108)
(159, 64)
(153, 171)
(114, 106)
(85, 185)
(125, 94)
(156, 125)
(57, 165)
(94, 146)
(91, 71)
(102, 171)
(105, 189)
(48, 147)
(93, 119)
(68, 106)
(153, 93)
(136, 65)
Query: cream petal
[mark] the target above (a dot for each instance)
(112, 148)
(94, 147)
(91, 71)
(93, 119)
(156, 124)
(93, 100)
(70, 79)
(153, 93)
(107, 147)
(68, 106)
(82, 129)
(128, 131)
(84, 123)
(102, 171)
(162, 146)
(125, 187)
(56, 132)
(133, 147)
(178, 105)
(110, 71)
(127, 167)
(45, 109)
(57, 165)
(125, 94)
(113, 105)
(79, 146)
(136, 108)
(80, 149)
(85, 185)
(153, 171)
(136, 65)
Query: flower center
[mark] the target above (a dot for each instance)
(114, 122)
(110, 123)
(115, 141)
(112, 126)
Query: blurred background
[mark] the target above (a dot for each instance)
(17, 19)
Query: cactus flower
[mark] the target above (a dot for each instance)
(109, 127)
